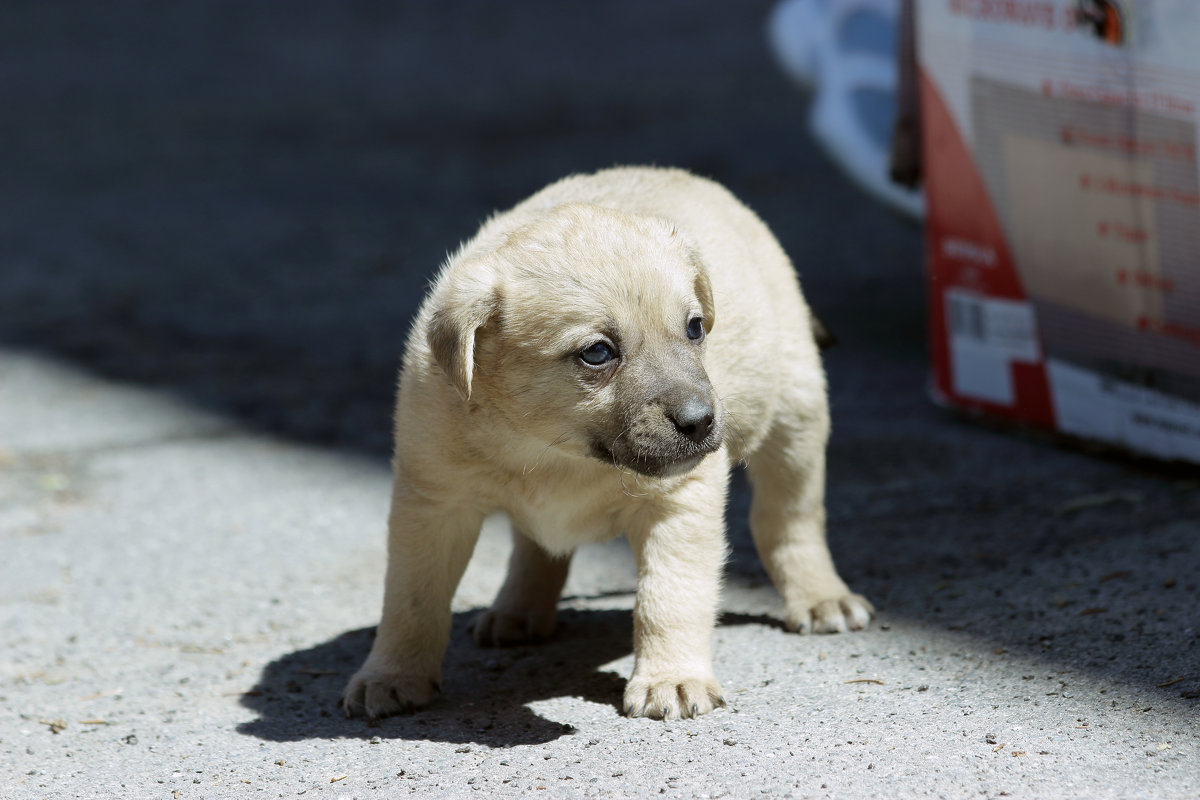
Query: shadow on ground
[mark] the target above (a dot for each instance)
(487, 690)
(1097, 628)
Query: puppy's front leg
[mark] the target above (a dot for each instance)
(429, 545)
(679, 557)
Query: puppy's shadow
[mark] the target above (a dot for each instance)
(486, 690)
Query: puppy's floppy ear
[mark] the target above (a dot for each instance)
(704, 294)
(464, 298)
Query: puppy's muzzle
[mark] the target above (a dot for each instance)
(669, 435)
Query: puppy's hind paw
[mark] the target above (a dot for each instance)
(681, 698)
(849, 612)
(496, 628)
(376, 693)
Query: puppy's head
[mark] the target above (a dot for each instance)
(585, 333)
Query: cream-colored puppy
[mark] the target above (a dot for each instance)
(593, 363)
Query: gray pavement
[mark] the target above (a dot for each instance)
(215, 222)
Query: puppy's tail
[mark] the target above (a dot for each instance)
(825, 338)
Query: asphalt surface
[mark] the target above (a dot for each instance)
(216, 220)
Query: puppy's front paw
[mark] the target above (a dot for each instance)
(374, 692)
(498, 628)
(849, 612)
(672, 698)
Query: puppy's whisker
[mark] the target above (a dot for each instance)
(730, 418)
(730, 429)
(622, 471)
(526, 469)
(625, 489)
(733, 398)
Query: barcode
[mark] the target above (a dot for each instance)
(967, 318)
(1006, 328)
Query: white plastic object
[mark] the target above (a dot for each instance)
(845, 52)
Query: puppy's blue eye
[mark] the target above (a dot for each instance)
(695, 328)
(598, 354)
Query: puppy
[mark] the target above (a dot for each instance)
(593, 363)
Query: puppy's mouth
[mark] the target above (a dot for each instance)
(654, 464)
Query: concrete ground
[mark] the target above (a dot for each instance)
(216, 219)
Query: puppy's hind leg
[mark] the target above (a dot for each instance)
(526, 607)
(787, 520)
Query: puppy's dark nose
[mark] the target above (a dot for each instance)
(693, 419)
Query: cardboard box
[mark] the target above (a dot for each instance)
(1063, 214)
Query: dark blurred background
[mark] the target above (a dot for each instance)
(242, 202)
